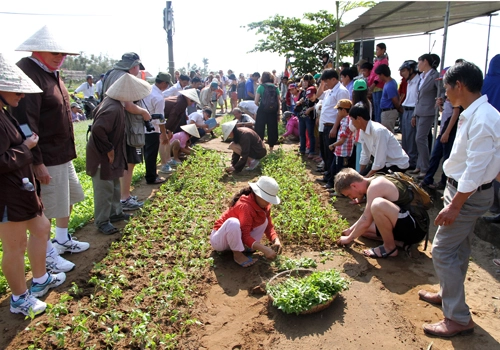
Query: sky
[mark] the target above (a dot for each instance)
(211, 29)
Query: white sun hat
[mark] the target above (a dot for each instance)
(191, 94)
(13, 79)
(266, 188)
(191, 129)
(129, 89)
(227, 128)
(45, 40)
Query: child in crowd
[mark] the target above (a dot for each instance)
(241, 227)
(292, 127)
(181, 142)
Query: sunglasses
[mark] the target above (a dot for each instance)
(59, 53)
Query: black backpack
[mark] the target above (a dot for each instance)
(269, 99)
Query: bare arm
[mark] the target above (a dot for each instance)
(453, 120)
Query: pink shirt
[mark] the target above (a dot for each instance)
(182, 136)
(292, 127)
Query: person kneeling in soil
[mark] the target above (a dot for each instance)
(247, 147)
(388, 215)
(181, 141)
(241, 227)
(292, 127)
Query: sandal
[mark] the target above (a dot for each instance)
(383, 254)
(157, 181)
(108, 229)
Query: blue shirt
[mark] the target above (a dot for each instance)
(390, 90)
(249, 88)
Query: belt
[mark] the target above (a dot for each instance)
(387, 109)
(480, 188)
(408, 108)
(328, 124)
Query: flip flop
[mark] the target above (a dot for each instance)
(496, 262)
(248, 262)
(108, 229)
(383, 254)
(158, 180)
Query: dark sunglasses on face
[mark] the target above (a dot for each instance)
(59, 53)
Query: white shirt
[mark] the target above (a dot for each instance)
(197, 118)
(173, 90)
(155, 104)
(412, 92)
(98, 87)
(249, 106)
(87, 90)
(379, 142)
(475, 156)
(328, 112)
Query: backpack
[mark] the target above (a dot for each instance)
(269, 99)
(420, 197)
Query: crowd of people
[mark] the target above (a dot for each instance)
(343, 119)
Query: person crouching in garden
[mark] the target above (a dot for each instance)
(20, 207)
(106, 159)
(181, 141)
(247, 147)
(241, 227)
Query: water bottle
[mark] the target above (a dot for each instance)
(27, 185)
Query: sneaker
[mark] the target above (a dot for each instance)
(55, 280)
(131, 204)
(174, 163)
(26, 303)
(56, 263)
(321, 164)
(70, 246)
(166, 169)
(253, 164)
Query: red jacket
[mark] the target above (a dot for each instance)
(251, 215)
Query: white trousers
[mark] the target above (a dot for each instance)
(228, 236)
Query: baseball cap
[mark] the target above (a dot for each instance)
(310, 90)
(359, 85)
(361, 61)
(165, 77)
(344, 103)
(74, 104)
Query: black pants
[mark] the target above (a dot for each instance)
(328, 155)
(271, 120)
(150, 156)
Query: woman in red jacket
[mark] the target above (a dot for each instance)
(241, 227)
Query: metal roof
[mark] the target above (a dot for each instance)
(393, 18)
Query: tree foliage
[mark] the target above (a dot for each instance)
(203, 69)
(297, 38)
(93, 64)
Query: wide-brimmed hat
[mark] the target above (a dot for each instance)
(13, 79)
(191, 129)
(128, 89)
(227, 129)
(191, 94)
(45, 40)
(129, 60)
(266, 188)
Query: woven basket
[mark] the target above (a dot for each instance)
(299, 273)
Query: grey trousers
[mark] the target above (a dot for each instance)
(451, 250)
(106, 199)
(388, 119)
(424, 125)
(408, 133)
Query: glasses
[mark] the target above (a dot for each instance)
(59, 53)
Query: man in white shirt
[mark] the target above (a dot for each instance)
(155, 104)
(330, 81)
(179, 86)
(198, 118)
(473, 164)
(244, 120)
(88, 89)
(377, 141)
(409, 71)
(98, 87)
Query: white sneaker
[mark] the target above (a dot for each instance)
(253, 164)
(27, 303)
(70, 246)
(55, 263)
(54, 280)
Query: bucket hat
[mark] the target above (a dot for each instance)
(45, 40)
(191, 129)
(129, 60)
(13, 79)
(227, 128)
(266, 188)
(191, 94)
(128, 89)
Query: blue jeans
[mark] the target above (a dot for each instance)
(440, 150)
(307, 124)
(377, 96)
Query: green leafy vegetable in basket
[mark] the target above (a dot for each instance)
(296, 295)
(283, 263)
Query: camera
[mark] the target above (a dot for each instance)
(149, 126)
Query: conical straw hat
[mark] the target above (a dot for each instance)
(191, 94)
(191, 129)
(45, 40)
(129, 88)
(13, 79)
(227, 128)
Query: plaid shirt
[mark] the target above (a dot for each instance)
(345, 150)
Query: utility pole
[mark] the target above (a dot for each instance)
(168, 25)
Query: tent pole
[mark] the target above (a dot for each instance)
(443, 53)
(337, 44)
(487, 47)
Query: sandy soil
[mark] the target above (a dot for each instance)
(381, 309)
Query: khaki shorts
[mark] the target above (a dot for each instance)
(63, 190)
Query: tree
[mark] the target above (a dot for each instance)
(203, 69)
(297, 39)
(94, 65)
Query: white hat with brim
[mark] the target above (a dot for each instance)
(191, 94)
(13, 79)
(191, 129)
(227, 129)
(46, 41)
(266, 188)
(129, 89)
